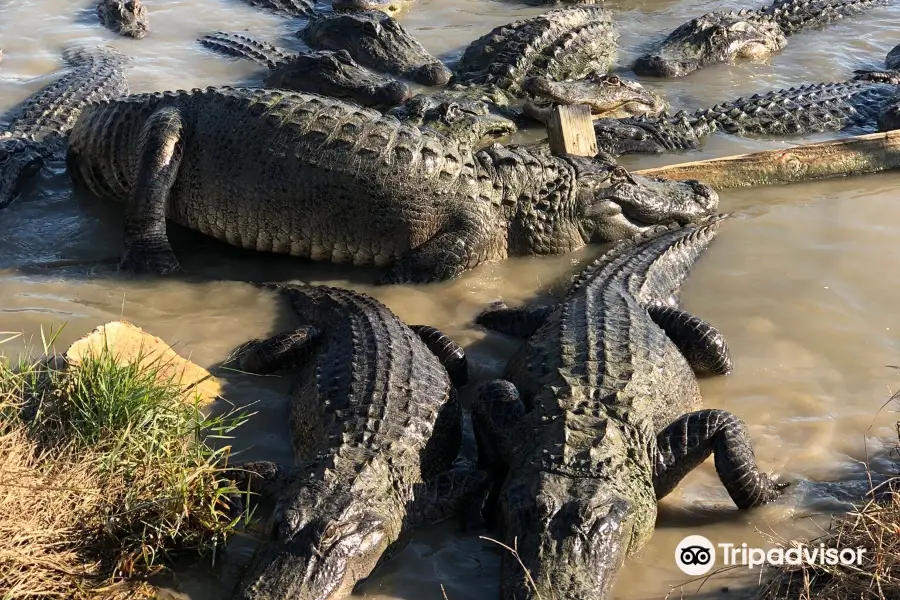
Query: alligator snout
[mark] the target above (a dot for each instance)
(435, 73)
(654, 65)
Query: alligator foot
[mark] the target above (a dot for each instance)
(262, 478)
(451, 354)
(147, 246)
(141, 258)
(290, 349)
(702, 345)
(687, 442)
(446, 255)
(450, 493)
(519, 322)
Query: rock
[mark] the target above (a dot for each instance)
(128, 343)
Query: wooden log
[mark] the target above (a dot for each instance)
(570, 130)
(868, 153)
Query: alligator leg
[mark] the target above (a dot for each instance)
(451, 354)
(263, 478)
(457, 247)
(459, 490)
(147, 248)
(702, 345)
(291, 349)
(687, 442)
(518, 322)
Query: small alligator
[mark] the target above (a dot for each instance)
(322, 179)
(125, 17)
(375, 427)
(755, 35)
(37, 132)
(802, 110)
(589, 420)
(377, 41)
(325, 72)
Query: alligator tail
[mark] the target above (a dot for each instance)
(242, 46)
(794, 16)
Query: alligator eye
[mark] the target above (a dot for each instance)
(620, 172)
(613, 80)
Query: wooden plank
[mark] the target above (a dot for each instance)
(868, 153)
(570, 130)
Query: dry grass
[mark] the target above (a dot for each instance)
(104, 476)
(874, 526)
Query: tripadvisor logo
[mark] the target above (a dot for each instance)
(695, 555)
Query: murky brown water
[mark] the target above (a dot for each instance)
(802, 283)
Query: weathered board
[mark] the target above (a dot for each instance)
(570, 130)
(868, 153)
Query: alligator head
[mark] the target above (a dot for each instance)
(377, 41)
(715, 37)
(474, 121)
(125, 17)
(20, 159)
(326, 542)
(336, 74)
(391, 7)
(607, 96)
(614, 204)
(573, 537)
(650, 135)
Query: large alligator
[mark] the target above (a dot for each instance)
(377, 41)
(300, 9)
(324, 72)
(318, 178)
(755, 35)
(379, 441)
(591, 425)
(125, 17)
(37, 132)
(813, 108)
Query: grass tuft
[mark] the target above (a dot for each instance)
(104, 477)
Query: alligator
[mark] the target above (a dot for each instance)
(588, 422)
(325, 72)
(754, 35)
(800, 110)
(125, 17)
(379, 438)
(330, 181)
(37, 131)
(620, 98)
(391, 7)
(377, 41)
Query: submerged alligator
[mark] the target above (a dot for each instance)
(755, 35)
(375, 427)
(125, 17)
(37, 132)
(325, 72)
(591, 419)
(334, 182)
(300, 9)
(802, 110)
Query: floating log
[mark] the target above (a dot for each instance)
(868, 153)
(570, 130)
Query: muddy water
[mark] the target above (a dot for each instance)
(801, 282)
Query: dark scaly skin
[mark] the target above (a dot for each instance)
(753, 35)
(373, 420)
(125, 17)
(38, 129)
(324, 72)
(334, 182)
(592, 421)
(451, 354)
(562, 44)
(802, 110)
(377, 41)
(287, 8)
